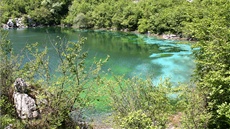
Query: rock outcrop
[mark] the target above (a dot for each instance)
(10, 23)
(25, 105)
(170, 36)
(18, 23)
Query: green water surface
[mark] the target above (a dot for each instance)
(130, 54)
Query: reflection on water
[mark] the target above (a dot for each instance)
(175, 59)
(130, 54)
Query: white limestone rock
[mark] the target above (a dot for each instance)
(24, 104)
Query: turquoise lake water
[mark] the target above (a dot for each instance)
(130, 54)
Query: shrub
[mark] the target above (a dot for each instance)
(58, 95)
(137, 98)
(136, 120)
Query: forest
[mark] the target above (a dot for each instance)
(205, 103)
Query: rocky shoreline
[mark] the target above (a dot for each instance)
(26, 22)
(22, 22)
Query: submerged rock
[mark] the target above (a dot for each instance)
(24, 104)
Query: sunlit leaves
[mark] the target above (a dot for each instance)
(140, 97)
(212, 59)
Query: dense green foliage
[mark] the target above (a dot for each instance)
(145, 15)
(135, 102)
(204, 20)
(139, 104)
(45, 12)
(156, 16)
(7, 71)
(213, 60)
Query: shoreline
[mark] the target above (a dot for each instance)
(163, 36)
(148, 34)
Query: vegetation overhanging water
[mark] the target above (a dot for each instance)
(130, 54)
(205, 21)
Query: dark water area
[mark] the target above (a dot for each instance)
(130, 54)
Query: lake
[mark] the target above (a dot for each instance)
(130, 54)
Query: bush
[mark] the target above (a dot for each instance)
(129, 97)
(192, 105)
(58, 95)
(80, 21)
(136, 120)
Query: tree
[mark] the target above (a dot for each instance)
(212, 57)
(54, 10)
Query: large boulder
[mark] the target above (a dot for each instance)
(25, 105)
